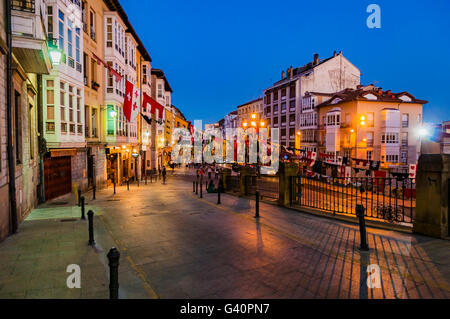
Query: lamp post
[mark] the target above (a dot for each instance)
(54, 52)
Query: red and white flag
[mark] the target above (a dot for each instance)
(153, 105)
(131, 103)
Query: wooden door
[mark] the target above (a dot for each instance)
(57, 176)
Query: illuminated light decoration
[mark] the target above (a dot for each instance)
(124, 147)
(362, 118)
(253, 123)
(113, 113)
(253, 116)
(244, 124)
(299, 133)
(352, 131)
(262, 124)
(147, 134)
(363, 123)
(54, 52)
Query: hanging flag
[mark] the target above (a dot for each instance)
(116, 74)
(154, 105)
(131, 102)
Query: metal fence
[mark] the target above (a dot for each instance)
(267, 186)
(390, 199)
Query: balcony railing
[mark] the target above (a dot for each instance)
(23, 5)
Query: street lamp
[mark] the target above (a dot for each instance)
(54, 52)
(362, 120)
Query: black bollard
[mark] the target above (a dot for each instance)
(82, 208)
(362, 227)
(218, 195)
(128, 184)
(193, 186)
(114, 182)
(93, 192)
(113, 258)
(196, 188)
(201, 190)
(79, 197)
(151, 177)
(91, 227)
(146, 177)
(257, 205)
(138, 180)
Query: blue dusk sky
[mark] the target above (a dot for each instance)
(219, 54)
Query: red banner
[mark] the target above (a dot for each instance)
(154, 105)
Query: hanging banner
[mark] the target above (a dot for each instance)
(131, 103)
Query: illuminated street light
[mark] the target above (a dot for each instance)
(299, 133)
(363, 120)
(253, 116)
(423, 132)
(244, 124)
(262, 124)
(253, 123)
(113, 113)
(352, 131)
(54, 52)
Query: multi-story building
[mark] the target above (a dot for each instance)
(63, 103)
(250, 111)
(161, 92)
(27, 56)
(283, 101)
(368, 123)
(94, 75)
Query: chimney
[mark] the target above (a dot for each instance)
(334, 54)
(282, 74)
(388, 92)
(358, 86)
(316, 59)
(291, 72)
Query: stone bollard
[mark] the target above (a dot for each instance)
(362, 227)
(286, 171)
(257, 205)
(113, 259)
(91, 227)
(82, 207)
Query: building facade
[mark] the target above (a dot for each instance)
(370, 124)
(283, 101)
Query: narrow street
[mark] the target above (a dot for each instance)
(175, 245)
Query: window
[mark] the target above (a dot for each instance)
(405, 139)
(50, 22)
(292, 91)
(369, 139)
(144, 74)
(404, 157)
(93, 72)
(62, 106)
(77, 49)
(160, 94)
(109, 40)
(50, 124)
(94, 122)
(370, 119)
(17, 127)
(86, 121)
(111, 121)
(61, 29)
(69, 44)
(283, 107)
(392, 158)
(79, 106)
(83, 15)
(389, 138)
(405, 120)
(110, 83)
(92, 24)
(369, 155)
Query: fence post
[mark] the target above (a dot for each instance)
(257, 205)
(82, 207)
(91, 227)
(362, 227)
(113, 258)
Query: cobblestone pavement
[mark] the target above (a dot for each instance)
(175, 245)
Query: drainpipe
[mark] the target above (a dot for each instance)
(10, 149)
(41, 194)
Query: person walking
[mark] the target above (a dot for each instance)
(209, 172)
